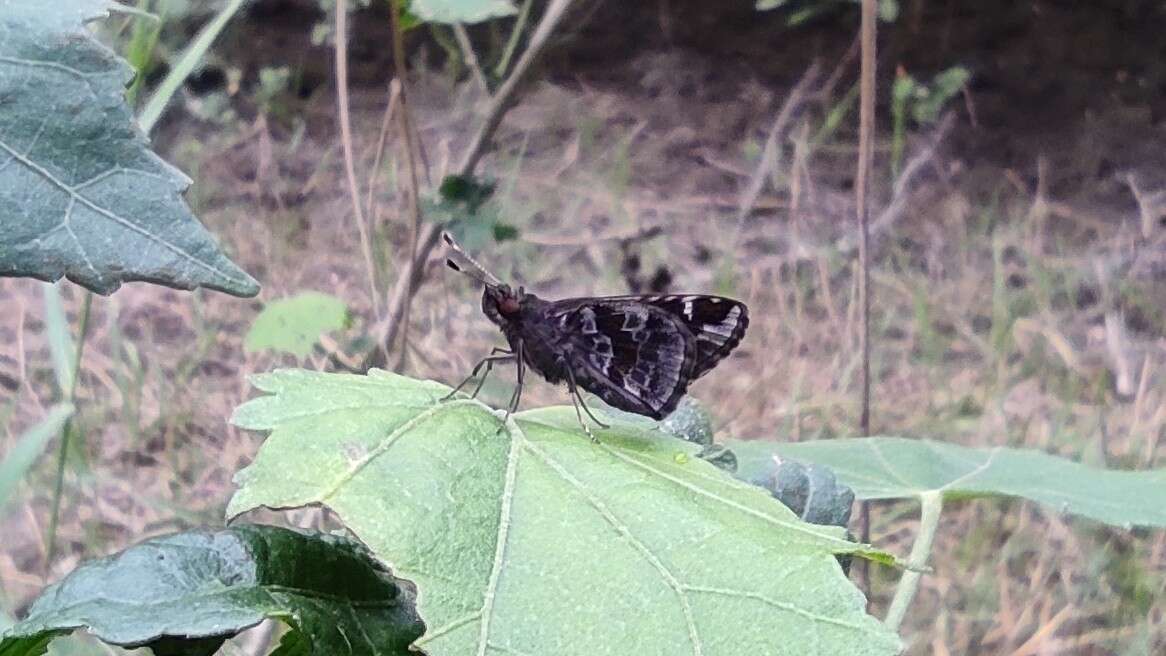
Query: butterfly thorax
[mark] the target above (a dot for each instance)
(523, 319)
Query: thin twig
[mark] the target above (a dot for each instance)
(506, 93)
(409, 282)
(899, 196)
(374, 174)
(825, 93)
(346, 141)
(471, 59)
(771, 152)
(861, 193)
(410, 140)
(512, 42)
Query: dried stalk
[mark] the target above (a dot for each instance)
(346, 141)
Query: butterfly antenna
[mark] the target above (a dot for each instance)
(468, 272)
(461, 262)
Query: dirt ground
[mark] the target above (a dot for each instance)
(1019, 273)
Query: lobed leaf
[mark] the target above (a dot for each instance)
(81, 194)
(187, 593)
(525, 537)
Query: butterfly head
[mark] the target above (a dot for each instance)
(501, 303)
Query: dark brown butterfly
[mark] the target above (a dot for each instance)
(637, 353)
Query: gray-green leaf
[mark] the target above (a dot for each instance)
(188, 592)
(899, 468)
(81, 194)
(527, 538)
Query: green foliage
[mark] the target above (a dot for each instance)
(187, 593)
(81, 194)
(922, 103)
(899, 468)
(293, 325)
(528, 538)
(464, 206)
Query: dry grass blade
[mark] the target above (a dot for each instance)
(341, 55)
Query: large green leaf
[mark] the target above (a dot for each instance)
(460, 11)
(81, 193)
(527, 538)
(899, 468)
(186, 593)
(295, 324)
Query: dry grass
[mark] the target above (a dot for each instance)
(989, 327)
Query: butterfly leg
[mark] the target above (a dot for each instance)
(512, 407)
(577, 400)
(489, 362)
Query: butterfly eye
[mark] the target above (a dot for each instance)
(508, 305)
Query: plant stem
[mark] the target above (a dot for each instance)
(411, 141)
(512, 42)
(67, 430)
(866, 127)
(931, 505)
(341, 48)
(505, 95)
(409, 282)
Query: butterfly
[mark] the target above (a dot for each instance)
(637, 353)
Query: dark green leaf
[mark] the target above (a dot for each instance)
(811, 491)
(898, 468)
(205, 586)
(81, 194)
(527, 538)
(466, 191)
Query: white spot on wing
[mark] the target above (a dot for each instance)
(726, 327)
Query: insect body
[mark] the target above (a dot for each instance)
(637, 353)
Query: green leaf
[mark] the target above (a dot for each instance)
(460, 11)
(201, 587)
(293, 325)
(931, 100)
(899, 468)
(81, 194)
(527, 538)
(462, 204)
(29, 446)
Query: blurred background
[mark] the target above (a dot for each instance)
(1018, 258)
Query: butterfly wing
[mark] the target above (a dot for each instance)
(639, 353)
(717, 323)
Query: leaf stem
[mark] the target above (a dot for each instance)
(931, 505)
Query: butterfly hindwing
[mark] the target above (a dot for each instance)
(717, 323)
(633, 356)
(639, 353)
